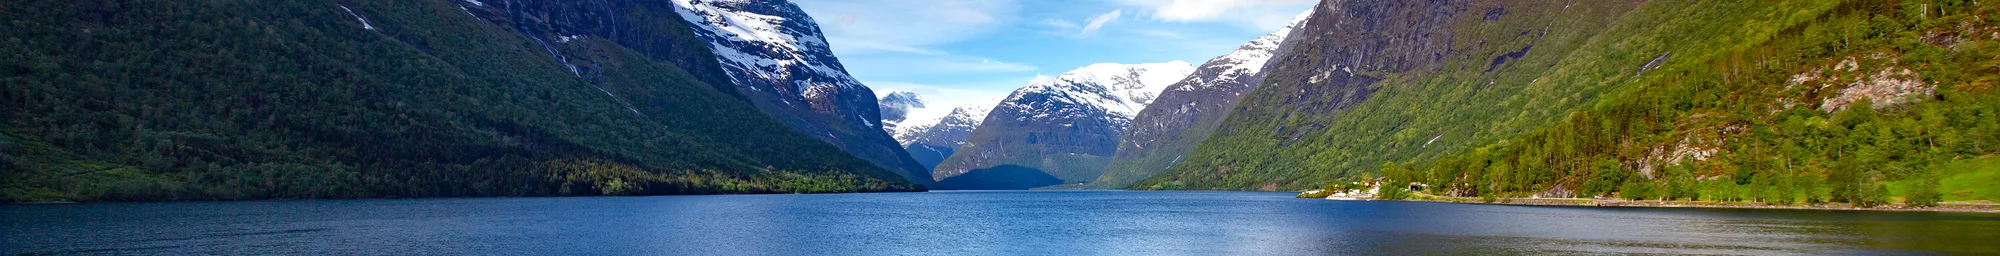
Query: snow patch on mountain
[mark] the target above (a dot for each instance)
(1248, 60)
(918, 119)
(1120, 89)
(895, 107)
(766, 47)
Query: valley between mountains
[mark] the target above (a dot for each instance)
(1856, 102)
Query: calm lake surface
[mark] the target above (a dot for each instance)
(965, 223)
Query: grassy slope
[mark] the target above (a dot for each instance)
(1976, 179)
(1968, 180)
(182, 100)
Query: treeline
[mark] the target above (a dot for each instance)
(1801, 118)
(208, 100)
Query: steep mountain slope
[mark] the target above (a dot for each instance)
(1459, 72)
(1065, 127)
(1533, 97)
(1829, 104)
(197, 100)
(1189, 110)
(933, 134)
(779, 60)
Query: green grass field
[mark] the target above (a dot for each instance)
(1971, 180)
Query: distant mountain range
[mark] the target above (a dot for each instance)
(1105, 125)
(930, 132)
(1057, 130)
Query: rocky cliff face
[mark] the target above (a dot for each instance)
(1066, 127)
(778, 59)
(1188, 111)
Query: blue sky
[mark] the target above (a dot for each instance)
(959, 50)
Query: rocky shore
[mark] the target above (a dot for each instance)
(1977, 207)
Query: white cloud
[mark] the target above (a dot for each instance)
(1099, 21)
(878, 46)
(1066, 28)
(1250, 14)
(914, 66)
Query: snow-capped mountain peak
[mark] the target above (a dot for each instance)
(777, 47)
(1121, 89)
(777, 58)
(896, 107)
(1249, 59)
(921, 119)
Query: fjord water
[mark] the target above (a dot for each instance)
(965, 223)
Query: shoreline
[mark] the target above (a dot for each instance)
(1588, 202)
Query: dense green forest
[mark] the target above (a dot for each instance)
(1862, 96)
(1765, 101)
(225, 100)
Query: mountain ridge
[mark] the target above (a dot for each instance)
(1065, 126)
(779, 60)
(1190, 110)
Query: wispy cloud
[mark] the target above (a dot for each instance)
(929, 65)
(865, 45)
(1089, 26)
(1250, 14)
(1099, 21)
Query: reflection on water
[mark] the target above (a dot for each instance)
(975, 223)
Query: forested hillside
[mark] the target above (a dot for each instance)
(203, 100)
(1859, 96)
(1518, 98)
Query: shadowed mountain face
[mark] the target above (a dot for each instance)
(1188, 111)
(1067, 126)
(353, 99)
(1004, 177)
(779, 61)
